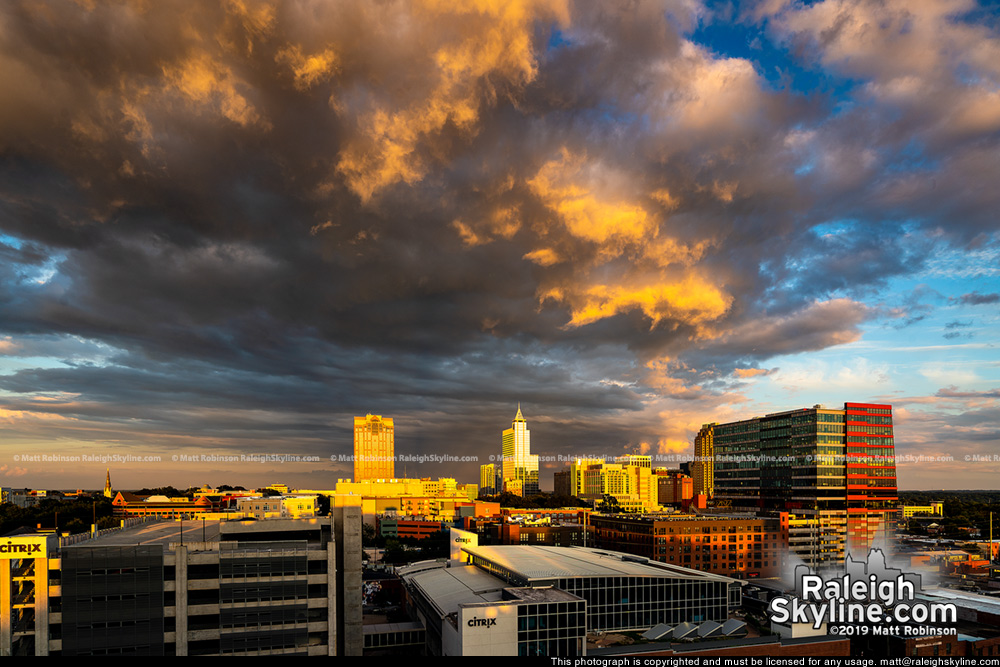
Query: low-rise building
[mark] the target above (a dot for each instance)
(734, 546)
(532, 600)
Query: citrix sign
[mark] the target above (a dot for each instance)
(11, 548)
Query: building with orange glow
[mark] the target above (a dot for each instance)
(128, 504)
(703, 466)
(673, 487)
(374, 448)
(734, 546)
(418, 529)
(832, 470)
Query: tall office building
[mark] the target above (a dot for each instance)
(833, 471)
(374, 448)
(488, 479)
(702, 468)
(872, 495)
(520, 468)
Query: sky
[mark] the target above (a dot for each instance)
(227, 228)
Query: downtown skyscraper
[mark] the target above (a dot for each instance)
(832, 472)
(520, 467)
(374, 448)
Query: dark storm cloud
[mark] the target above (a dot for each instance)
(316, 209)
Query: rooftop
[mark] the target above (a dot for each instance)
(539, 562)
(201, 531)
(447, 588)
(161, 532)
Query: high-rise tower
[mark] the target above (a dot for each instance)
(832, 471)
(520, 468)
(872, 495)
(703, 468)
(374, 448)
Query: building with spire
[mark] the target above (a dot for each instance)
(108, 493)
(520, 467)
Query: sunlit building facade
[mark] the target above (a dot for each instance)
(744, 547)
(488, 479)
(520, 467)
(374, 448)
(633, 487)
(703, 466)
(834, 470)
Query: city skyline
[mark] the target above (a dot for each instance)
(227, 229)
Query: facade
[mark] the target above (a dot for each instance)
(488, 479)
(277, 507)
(674, 487)
(271, 587)
(129, 505)
(418, 529)
(534, 600)
(935, 509)
(409, 497)
(577, 471)
(733, 546)
(703, 466)
(871, 476)
(500, 530)
(561, 483)
(623, 592)
(632, 486)
(468, 612)
(520, 467)
(374, 448)
(834, 470)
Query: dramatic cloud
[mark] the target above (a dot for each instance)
(233, 225)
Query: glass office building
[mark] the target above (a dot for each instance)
(520, 467)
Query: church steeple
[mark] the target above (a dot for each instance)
(108, 493)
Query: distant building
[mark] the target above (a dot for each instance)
(277, 507)
(630, 485)
(126, 504)
(577, 472)
(674, 487)
(374, 448)
(439, 499)
(488, 479)
(419, 529)
(561, 483)
(520, 467)
(934, 509)
(703, 465)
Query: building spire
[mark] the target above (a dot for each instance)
(108, 493)
(519, 417)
